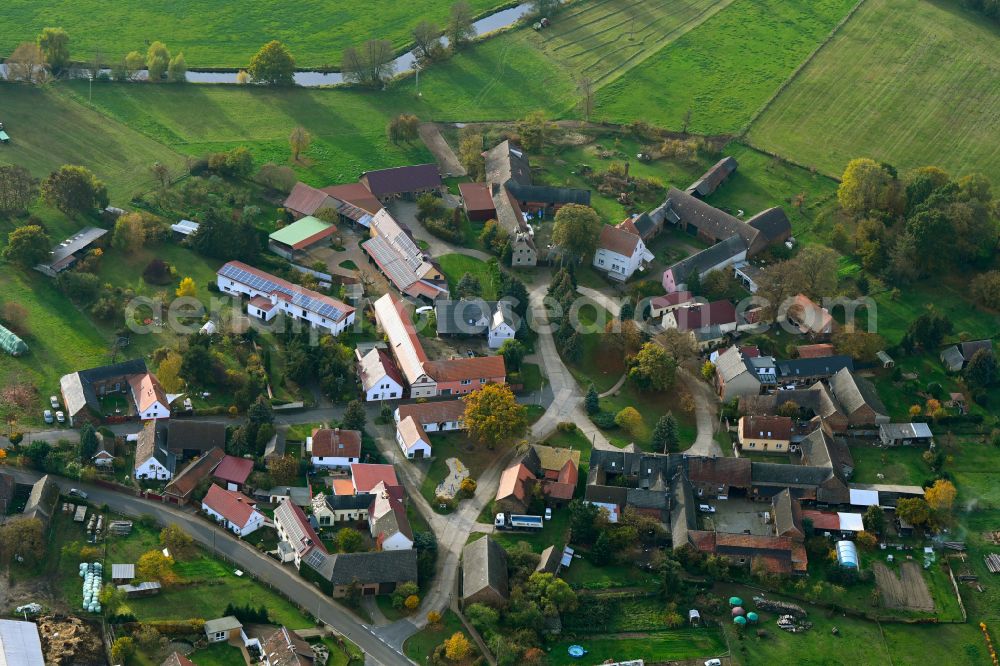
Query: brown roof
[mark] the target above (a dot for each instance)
(285, 648)
(730, 471)
(355, 194)
(235, 507)
(234, 469)
(705, 315)
(766, 427)
(147, 391)
(675, 298)
(336, 443)
(191, 476)
(177, 659)
(619, 240)
(815, 351)
(457, 369)
(477, 196)
(306, 199)
(512, 482)
(433, 412)
(402, 179)
(366, 476)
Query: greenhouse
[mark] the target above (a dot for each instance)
(12, 344)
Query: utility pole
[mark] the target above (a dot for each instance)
(416, 66)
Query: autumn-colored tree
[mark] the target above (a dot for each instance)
(273, 64)
(18, 189)
(284, 470)
(866, 540)
(493, 416)
(433, 617)
(153, 565)
(242, 77)
(412, 602)
(457, 647)
(533, 129)
(866, 187)
(623, 336)
(177, 69)
(168, 372)
(27, 245)
(157, 60)
(651, 368)
(941, 496)
(187, 288)
(859, 345)
(470, 153)
(913, 510)
(54, 43)
(74, 190)
(122, 649)
(299, 140)
(24, 537)
(177, 541)
(708, 371)
(915, 410)
(576, 230)
(629, 419)
(130, 232)
(27, 64)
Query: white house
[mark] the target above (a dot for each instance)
(270, 295)
(387, 520)
(235, 511)
(151, 401)
(412, 439)
(620, 252)
(501, 325)
(334, 448)
(440, 416)
(476, 317)
(380, 378)
(152, 459)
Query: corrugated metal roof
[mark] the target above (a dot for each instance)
(19, 644)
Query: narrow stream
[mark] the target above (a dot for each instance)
(313, 79)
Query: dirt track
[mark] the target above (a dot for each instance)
(907, 591)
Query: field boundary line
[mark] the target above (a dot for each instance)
(798, 70)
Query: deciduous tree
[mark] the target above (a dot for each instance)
(867, 187)
(460, 28)
(532, 130)
(629, 419)
(187, 288)
(153, 565)
(18, 189)
(130, 233)
(132, 64)
(157, 60)
(623, 336)
(457, 647)
(513, 352)
(299, 140)
(913, 510)
(859, 345)
(470, 153)
(177, 69)
(122, 649)
(23, 537)
(54, 43)
(982, 371)
(273, 64)
(354, 416)
(177, 541)
(169, 372)
(576, 230)
(284, 470)
(404, 127)
(940, 497)
(27, 246)
(370, 64)
(427, 39)
(74, 190)
(27, 65)
(349, 540)
(493, 416)
(651, 368)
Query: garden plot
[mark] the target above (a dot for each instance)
(906, 591)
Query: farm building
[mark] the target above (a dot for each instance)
(710, 181)
(20, 644)
(896, 434)
(122, 573)
(291, 241)
(66, 253)
(84, 391)
(405, 182)
(179, 490)
(375, 573)
(494, 319)
(484, 573)
(305, 200)
(620, 251)
(478, 201)
(392, 248)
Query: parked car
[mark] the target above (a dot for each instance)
(548, 513)
(76, 492)
(47, 415)
(706, 508)
(60, 417)
(54, 401)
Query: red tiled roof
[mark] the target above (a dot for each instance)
(822, 520)
(457, 369)
(667, 300)
(477, 196)
(262, 303)
(147, 390)
(750, 351)
(752, 541)
(433, 412)
(355, 194)
(618, 240)
(343, 487)
(815, 351)
(190, 476)
(177, 659)
(512, 482)
(628, 225)
(705, 315)
(235, 507)
(766, 427)
(366, 476)
(336, 443)
(234, 470)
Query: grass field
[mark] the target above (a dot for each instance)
(315, 31)
(603, 39)
(656, 647)
(723, 70)
(48, 130)
(455, 266)
(419, 646)
(911, 82)
(220, 654)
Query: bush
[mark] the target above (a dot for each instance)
(566, 426)
(604, 420)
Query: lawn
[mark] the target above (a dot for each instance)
(651, 406)
(218, 654)
(596, 365)
(659, 646)
(723, 70)
(581, 574)
(48, 129)
(603, 40)
(901, 465)
(911, 82)
(315, 31)
(454, 445)
(419, 646)
(894, 315)
(455, 266)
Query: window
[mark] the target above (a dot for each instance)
(466, 382)
(752, 445)
(392, 395)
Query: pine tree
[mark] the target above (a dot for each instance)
(665, 435)
(592, 402)
(600, 554)
(88, 442)
(354, 416)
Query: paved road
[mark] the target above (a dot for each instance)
(247, 558)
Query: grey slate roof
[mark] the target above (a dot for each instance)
(275, 448)
(42, 500)
(227, 623)
(787, 514)
(484, 566)
(550, 195)
(402, 179)
(772, 223)
(718, 224)
(549, 561)
(715, 176)
(853, 392)
(386, 566)
(778, 474)
(461, 317)
(201, 435)
(701, 262)
(505, 163)
(350, 502)
(825, 366)
(683, 518)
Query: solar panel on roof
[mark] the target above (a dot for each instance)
(315, 559)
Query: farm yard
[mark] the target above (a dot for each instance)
(910, 82)
(603, 39)
(724, 69)
(210, 35)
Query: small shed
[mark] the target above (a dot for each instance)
(146, 589)
(694, 618)
(122, 573)
(885, 359)
(222, 629)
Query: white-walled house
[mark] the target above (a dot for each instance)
(412, 439)
(334, 448)
(152, 459)
(235, 511)
(150, 399)
(387, 520)
(620, 252)
(475, 317)
(380, 378)
(440, 416)
(270, 295)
